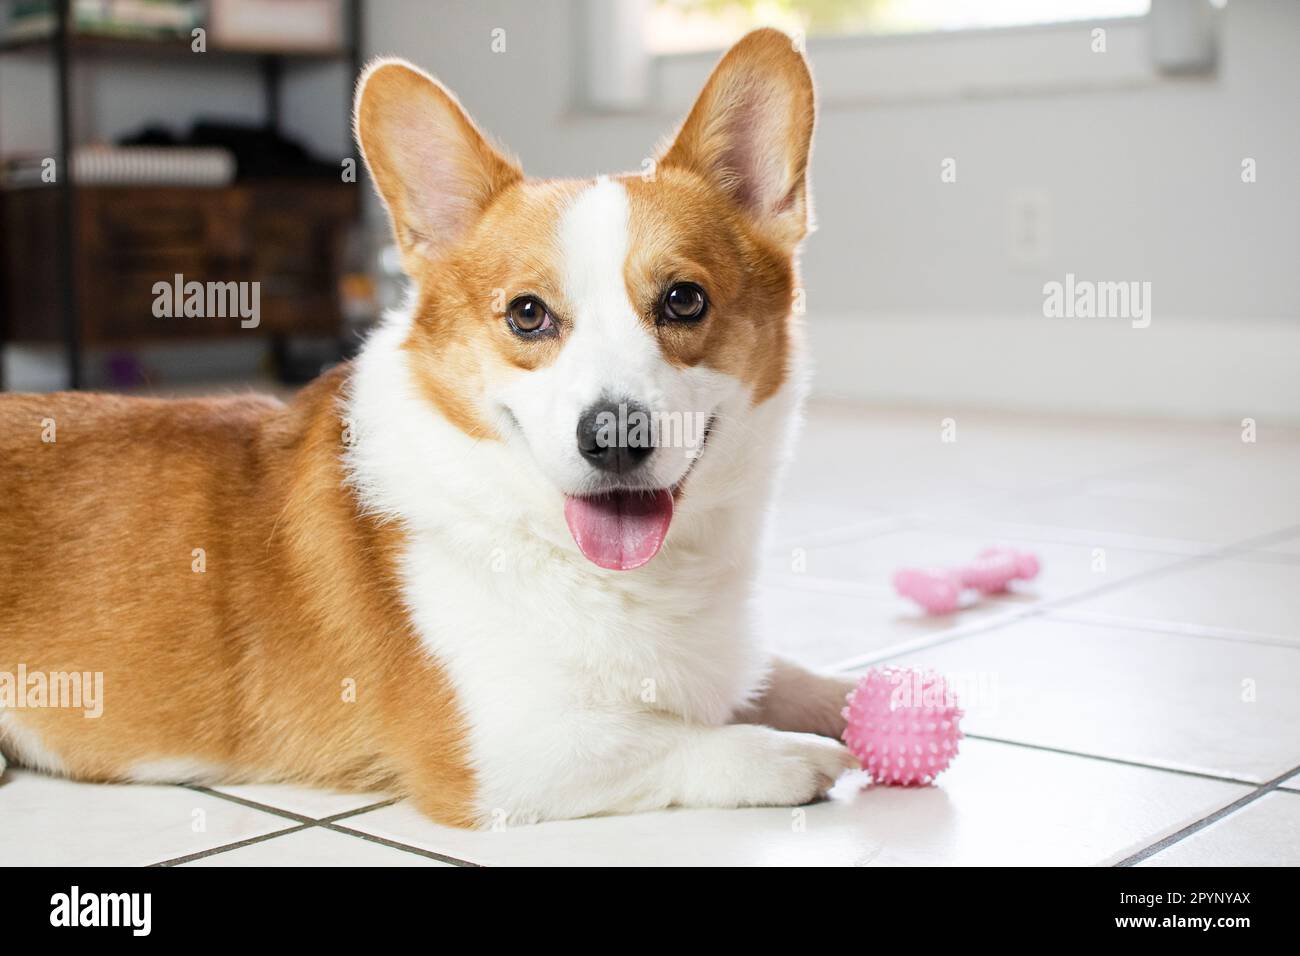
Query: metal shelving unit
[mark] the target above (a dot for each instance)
(67, 46)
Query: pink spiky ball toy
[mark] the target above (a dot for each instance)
(903, 725)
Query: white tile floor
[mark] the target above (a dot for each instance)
(1139, 703)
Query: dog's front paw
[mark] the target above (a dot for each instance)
(797, 769)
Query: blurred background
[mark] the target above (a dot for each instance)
(968, 156)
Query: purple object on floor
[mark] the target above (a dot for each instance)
(124, 370)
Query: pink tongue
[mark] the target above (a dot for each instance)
(622, 530)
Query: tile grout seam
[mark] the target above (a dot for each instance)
(305, 823)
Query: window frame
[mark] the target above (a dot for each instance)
(853, 71)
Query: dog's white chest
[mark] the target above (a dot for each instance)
(523, 628)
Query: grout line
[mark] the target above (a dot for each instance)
(956, 526)
(310, 822)
(803, 583)
(290, 814)
(326, 823)
(1078, 484)
(1073, 483)
(213, 851)
(918, 518)
(1270, 557)
(864, 530)
(1174, 627)
(1207, 557)
(1123, 761)
(251, 804)
(335, 817)
(1180, 835)
(935, 640)
(1063, 535)
(395, 845)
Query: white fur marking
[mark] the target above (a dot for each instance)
(24, 746)
(174, 770)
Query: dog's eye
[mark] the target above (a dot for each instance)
(528, 315)
(684, 302)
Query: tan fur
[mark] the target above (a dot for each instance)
(735, 212)
(684, 231)
(243, 666)
(460, 336)
(433, 168)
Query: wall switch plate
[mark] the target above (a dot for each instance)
(1029, 227)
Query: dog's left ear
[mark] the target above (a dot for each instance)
(750, 133)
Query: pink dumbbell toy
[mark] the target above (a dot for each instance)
(938, 590)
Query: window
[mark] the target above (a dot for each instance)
(655, 54)
(683, 26)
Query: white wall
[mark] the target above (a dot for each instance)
(1142, 183)
(913, 295)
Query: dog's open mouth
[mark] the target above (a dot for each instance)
(623, 529)
(620, 530)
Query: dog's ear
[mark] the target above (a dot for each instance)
(434, 170)
(750, 133)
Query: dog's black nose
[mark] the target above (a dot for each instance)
(615, 436)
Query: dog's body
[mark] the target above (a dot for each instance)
(374, 586)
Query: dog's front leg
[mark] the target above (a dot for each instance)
(652, 761)
(799, 700)
(740, 766)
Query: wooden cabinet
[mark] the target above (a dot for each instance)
(285, 235)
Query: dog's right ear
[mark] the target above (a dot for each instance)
(434, 170)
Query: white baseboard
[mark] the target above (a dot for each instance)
(1176, 368)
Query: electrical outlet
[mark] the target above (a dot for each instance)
(1029, 227)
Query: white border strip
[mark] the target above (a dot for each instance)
(1189, 368)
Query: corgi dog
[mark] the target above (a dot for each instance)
(502, 562)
